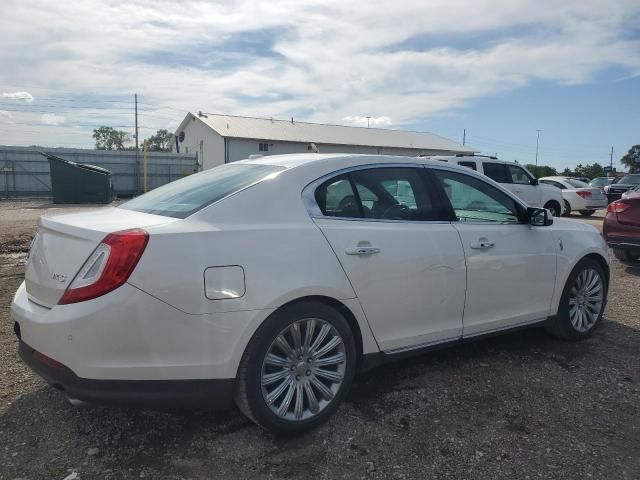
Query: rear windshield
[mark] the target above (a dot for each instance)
(186, 196)
(574, 182)
(600, 182)
(630, 179)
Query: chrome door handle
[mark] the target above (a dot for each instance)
(482, 245)
(361, 250)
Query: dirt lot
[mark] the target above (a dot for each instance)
(520, 406)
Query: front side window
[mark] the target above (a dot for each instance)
(518, 175)
(473, 200)
(496, 172)
(186, 196)
(553, 183)
(377, 193)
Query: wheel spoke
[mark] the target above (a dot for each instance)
(332, 360)
(335, 377)
(326, 393)
(330, 345)
(324, 331)
(274, 377)
(283, 344)
(297, 409)
(308, 335)
(311, 398)
(275, 360)
(297, 340)
(275, 394)
(284, 406)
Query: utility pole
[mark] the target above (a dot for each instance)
(464, 136)
(537, 146)
(611, 160)
(368, 118)
(137, 177)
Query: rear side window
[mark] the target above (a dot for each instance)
(471, 165)
(186, 196)
(496, 172)
(554, 184)
(377, 193)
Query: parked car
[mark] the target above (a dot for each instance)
(601, 182)
(615, 190)
(583, 179)
(621, 227)
(273, 281)
(635, 191)
(577, 195)
(513, 177)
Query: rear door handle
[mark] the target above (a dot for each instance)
(361, 250)
(482, 245)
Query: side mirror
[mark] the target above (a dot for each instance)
(539, 217)
(534, 181)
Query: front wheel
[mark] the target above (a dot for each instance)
(582, 302)
(297, 368)
(554, 207)
(587, 213)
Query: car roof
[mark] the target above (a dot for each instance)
(331, 160)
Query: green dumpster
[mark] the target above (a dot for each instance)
(73, 182)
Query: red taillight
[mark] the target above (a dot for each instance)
(584, 193)
(617, 207)
(108, 267)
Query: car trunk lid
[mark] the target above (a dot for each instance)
(63, 243)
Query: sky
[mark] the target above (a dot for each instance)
(499, 69)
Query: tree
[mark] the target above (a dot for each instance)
(632, 159)
(589, 171)
(568, 173)
(162, 141)
(540, 171)
(108, 138)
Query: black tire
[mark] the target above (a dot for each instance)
(249, 391)
(567, 209)
(554, 207)
(625, 255)
(587, 213)
(560, 325)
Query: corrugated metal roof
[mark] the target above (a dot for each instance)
(288, 131)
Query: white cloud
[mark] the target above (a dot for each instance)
(319, 60)
(52, 119)
(368, 121)
(19, 96)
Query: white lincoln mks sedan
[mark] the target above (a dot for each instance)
(271, 282)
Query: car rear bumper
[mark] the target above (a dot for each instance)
(216, 393)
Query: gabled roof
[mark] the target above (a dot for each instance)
(294, 131)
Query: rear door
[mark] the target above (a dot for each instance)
(405, 263)
(511, 266)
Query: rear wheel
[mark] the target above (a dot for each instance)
(554, 207)
(582, 303)
(587, 213)
(625, 255)
(298, 368)
(567, 209)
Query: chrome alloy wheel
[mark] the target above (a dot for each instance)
(586, 300)
(303, 369)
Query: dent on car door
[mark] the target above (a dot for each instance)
(405, 264)
(511, 266)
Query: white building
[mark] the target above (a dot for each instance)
(219, 139)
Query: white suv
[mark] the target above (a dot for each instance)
(514, 177)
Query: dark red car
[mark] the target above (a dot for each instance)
(621, 227)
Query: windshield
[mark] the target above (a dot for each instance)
(600, 182)
(576, 183)
(186, 196)
(630, 179)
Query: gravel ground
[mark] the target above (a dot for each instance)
(518, 406)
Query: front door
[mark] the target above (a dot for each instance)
(406, 267)
(511, 266)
